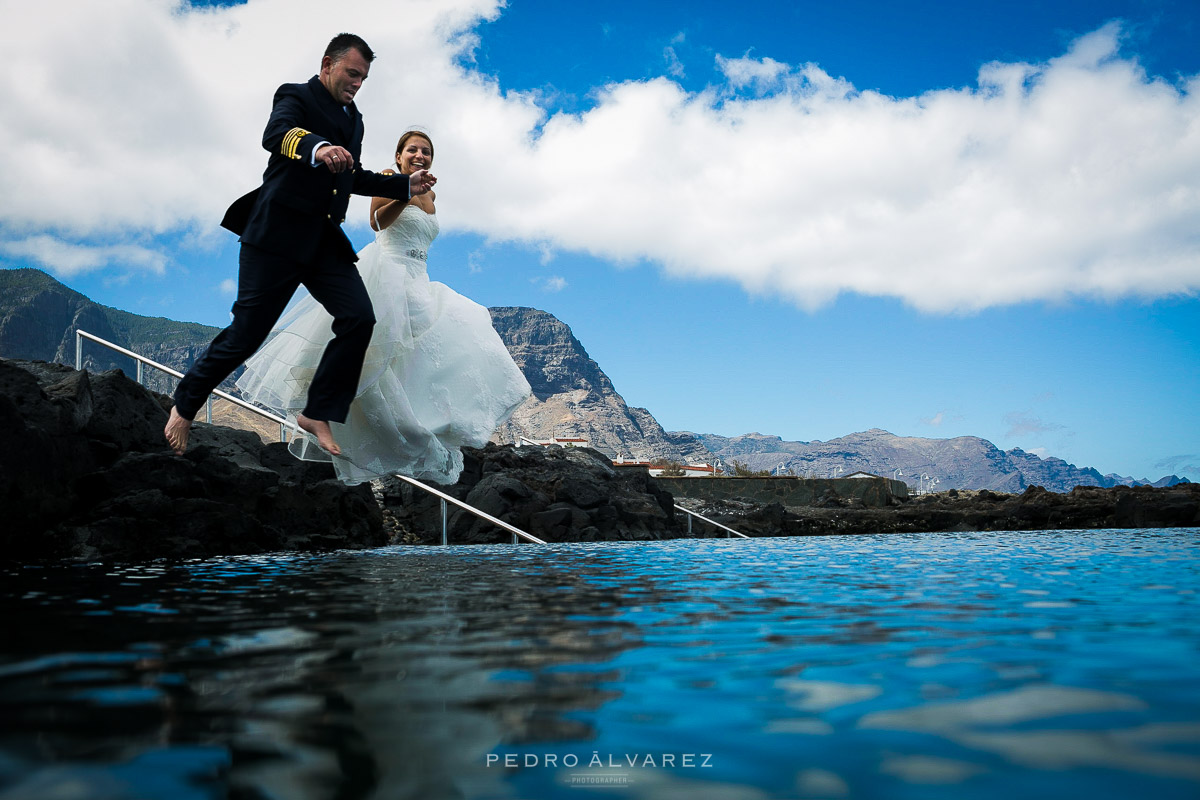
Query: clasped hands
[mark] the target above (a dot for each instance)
(338, 159)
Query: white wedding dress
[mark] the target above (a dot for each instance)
(436, 376)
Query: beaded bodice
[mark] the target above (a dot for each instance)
(409, 237)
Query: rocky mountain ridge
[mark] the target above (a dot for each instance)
(573, 398)
(963, 462)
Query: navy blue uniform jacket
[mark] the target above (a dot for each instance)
(297, 203)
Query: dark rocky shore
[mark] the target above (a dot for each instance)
(85, 474)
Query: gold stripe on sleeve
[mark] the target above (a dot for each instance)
(291, 140)
(283, 148)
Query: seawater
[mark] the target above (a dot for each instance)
(973, 665)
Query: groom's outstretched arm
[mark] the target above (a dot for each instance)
(393, 186)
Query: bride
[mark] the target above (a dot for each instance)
(436, 376)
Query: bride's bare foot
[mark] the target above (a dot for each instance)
(177, 431)
(320, 429)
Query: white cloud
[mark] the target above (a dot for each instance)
(745, 71)
(1022, 423)
(673, 64)
(228, 286)
(139, 114)
(554, 283)
(475, 262)
(1076, 177)
(66, 259)
(1188, 463)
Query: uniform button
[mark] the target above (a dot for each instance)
(343, 219)
(335, 192)
(329, 216)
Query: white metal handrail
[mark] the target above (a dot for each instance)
(445, 498)
(726, 528)
(80, 335)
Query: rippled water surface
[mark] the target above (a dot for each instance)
(981, 665)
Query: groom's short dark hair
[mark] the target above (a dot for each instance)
(345, 42)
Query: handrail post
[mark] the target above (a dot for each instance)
(444, 518)
(515, 531)
(208, 410)
(729, 532)
(139, 373)
(78, 350)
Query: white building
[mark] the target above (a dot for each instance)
(656, 468)
(561, 441)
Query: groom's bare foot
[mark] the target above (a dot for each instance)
(177, 431)
(320, 429)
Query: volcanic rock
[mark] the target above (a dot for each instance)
(86, 474)
(558, 494)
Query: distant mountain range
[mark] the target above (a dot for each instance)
(964, 462)
(572, 397)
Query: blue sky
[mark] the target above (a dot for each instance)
(802, 219)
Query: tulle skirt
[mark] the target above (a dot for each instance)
(436, 376)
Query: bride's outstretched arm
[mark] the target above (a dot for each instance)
(385, 211)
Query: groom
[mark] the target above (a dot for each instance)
(290, 229)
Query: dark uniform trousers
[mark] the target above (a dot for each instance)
(291, 235)
(266, 282)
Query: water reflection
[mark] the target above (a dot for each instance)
(322, 676)
(981, 664)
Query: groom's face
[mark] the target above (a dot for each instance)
(344, 77)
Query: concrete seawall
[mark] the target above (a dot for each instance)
(871, 492)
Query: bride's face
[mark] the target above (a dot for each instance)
(417, 153)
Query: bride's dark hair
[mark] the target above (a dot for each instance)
(408, 135)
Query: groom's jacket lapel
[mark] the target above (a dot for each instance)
(339, 120)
